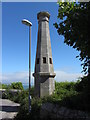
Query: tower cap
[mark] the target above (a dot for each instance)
(43, 13)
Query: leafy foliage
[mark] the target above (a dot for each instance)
(14, 85)
(74, 95)
(36, 104)
(62, 90)
(66, 94)
(73, 25)
(24, 111)
(4, 86)
(17, 85)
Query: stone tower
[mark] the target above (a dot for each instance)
(44, 72)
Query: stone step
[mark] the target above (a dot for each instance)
(8, 109)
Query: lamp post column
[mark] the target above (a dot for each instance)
(29, 67)
(28, 23)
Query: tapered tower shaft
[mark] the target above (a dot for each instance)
(44, 72)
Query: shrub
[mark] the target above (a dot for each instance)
(17, 85)
(14, 85)
(5, 86)
(65, 94)
(24, 114)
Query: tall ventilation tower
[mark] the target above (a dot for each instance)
(44, 72)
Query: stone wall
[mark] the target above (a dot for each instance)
(53, 111)
(12, 91)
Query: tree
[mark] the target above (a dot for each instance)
(73, 25)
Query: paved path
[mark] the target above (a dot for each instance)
(8, 109)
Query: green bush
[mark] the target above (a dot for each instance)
(14, 85)
(24, 114)
(17, 85)
(19, 96)
(5, 86)
(73, 95)
(65, 94)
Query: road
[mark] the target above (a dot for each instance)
(8, 109)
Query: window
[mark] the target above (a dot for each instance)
(44, 59)
(37, 60)
(50, 60)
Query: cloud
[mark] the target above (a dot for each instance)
(29, 0)
(43, 0)
(16, 77)
(23, 77)
(64, 76)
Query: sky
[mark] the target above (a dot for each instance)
(15, 39)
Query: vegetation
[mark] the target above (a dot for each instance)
(74, 95)
(14, 85)
(62, 90)
(73, 19)
(69, 94)
(16, 97)
(9, 95)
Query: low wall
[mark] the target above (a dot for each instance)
(54, 111)
(12, 91)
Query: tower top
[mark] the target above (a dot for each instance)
(43, 14)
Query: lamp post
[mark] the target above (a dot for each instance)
(28, 23)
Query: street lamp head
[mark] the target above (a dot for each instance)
(26, 22)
